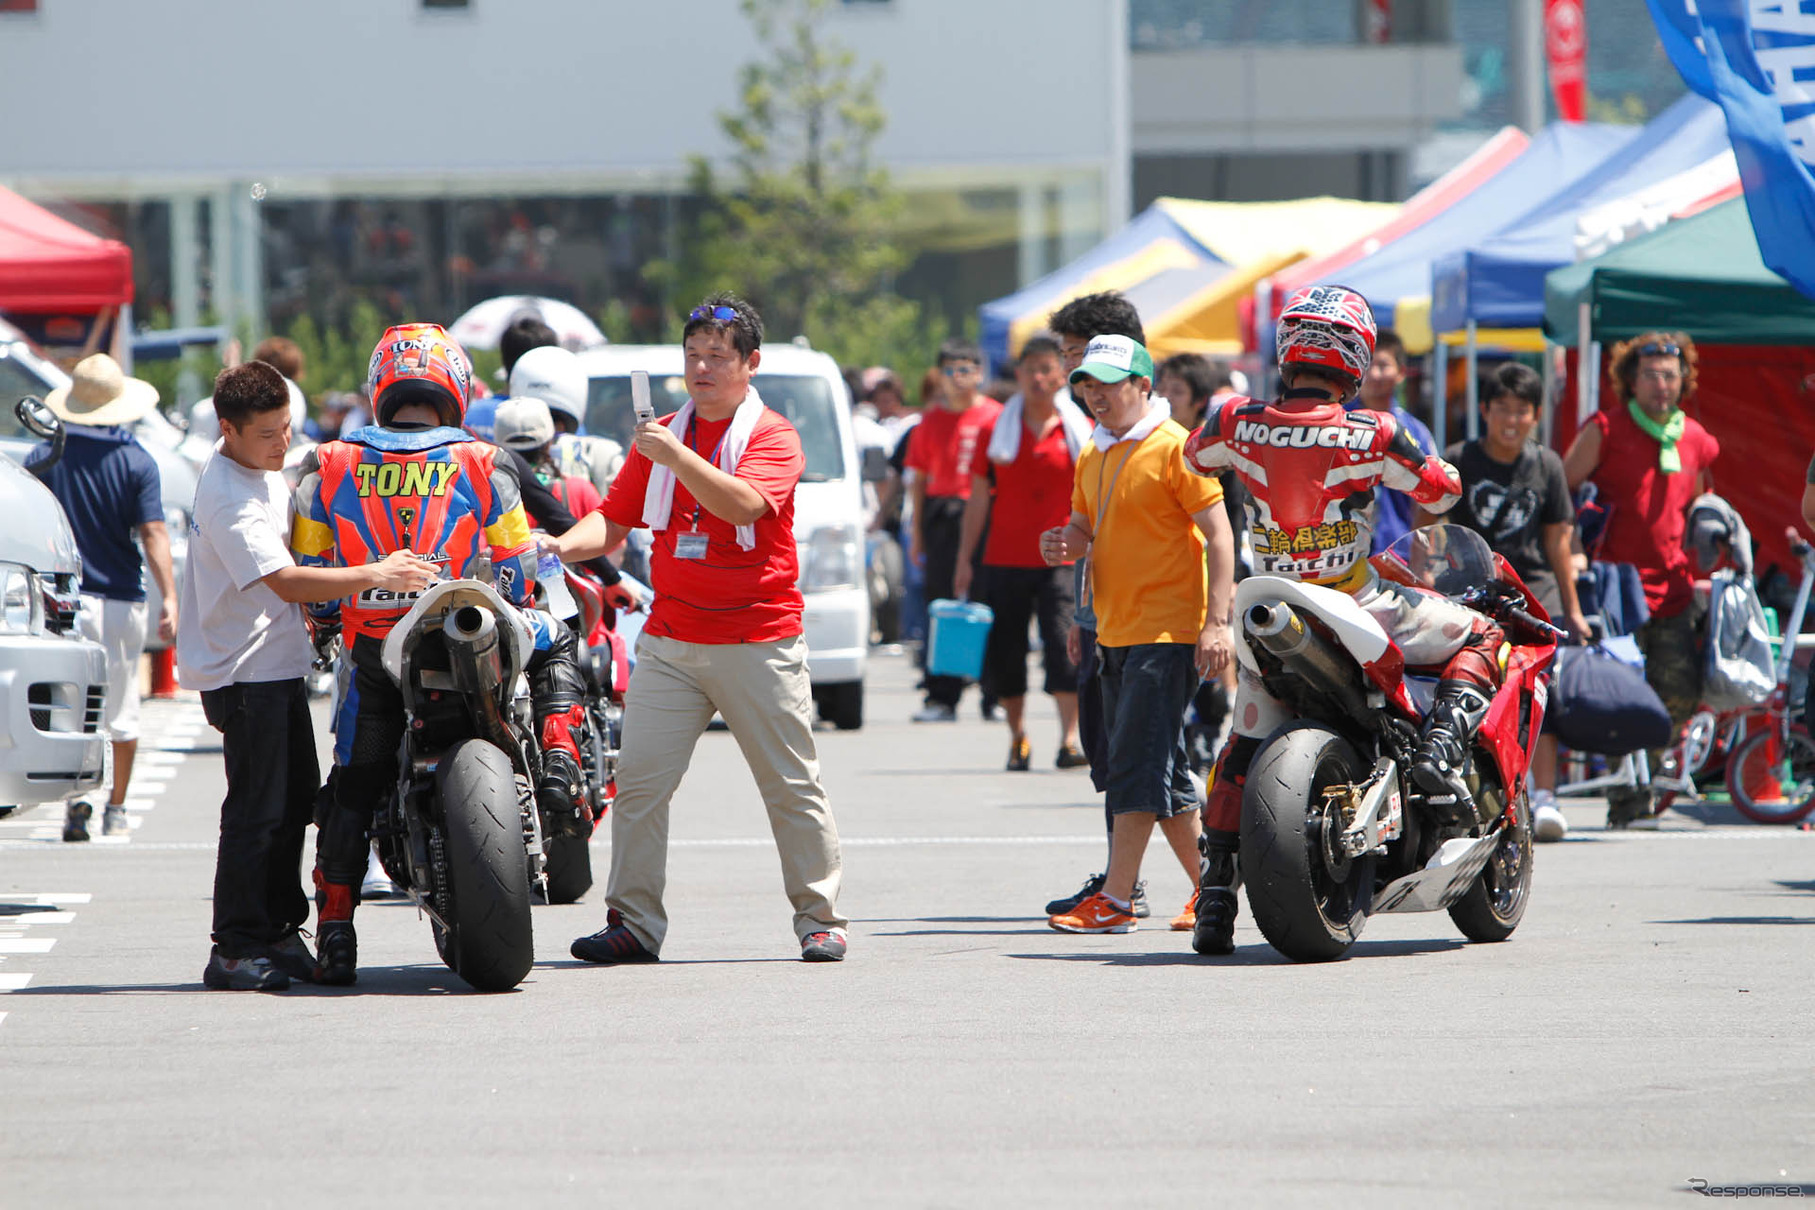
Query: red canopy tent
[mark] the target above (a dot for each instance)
(49, 265)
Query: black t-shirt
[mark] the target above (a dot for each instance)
(1509, 504)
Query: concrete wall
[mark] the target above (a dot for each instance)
(123, 98)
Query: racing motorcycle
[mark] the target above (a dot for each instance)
(1334, 829)
(461, 835)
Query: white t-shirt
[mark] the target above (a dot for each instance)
(232, 629)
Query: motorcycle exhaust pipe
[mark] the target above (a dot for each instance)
(1276, 627)
(474, 655)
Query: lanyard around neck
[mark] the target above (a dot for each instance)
(692, 437)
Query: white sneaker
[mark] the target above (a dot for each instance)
(1547, 822)
(377, 884)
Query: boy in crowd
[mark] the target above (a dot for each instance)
(1514, 494)
(1144, 520)
(240, 642)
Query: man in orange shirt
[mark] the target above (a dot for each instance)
(1144, 520)
(940, 453)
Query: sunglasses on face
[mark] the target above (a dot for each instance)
(953, 371)
(722, 314)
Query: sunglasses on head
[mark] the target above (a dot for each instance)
(722, 314)
(1656, 349)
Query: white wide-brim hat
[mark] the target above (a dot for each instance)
(100, 394)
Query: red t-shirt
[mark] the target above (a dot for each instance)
(1648, 508)
(945, 441)
(732, 595)
(1033, 494)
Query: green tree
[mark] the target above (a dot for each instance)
(803, 222)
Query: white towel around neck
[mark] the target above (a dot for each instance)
(1005, 442)
(658, 496)
(1158, 413)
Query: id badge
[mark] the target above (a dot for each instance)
(690, 545)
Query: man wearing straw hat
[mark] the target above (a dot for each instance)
(108, 486)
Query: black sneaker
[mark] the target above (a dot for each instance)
(1071, 757)
(828, 946)
(336, 953)
(1138, 901)
(613, 945)
(75, 821)
(290, 954)
(1092, 885)
(255, 974)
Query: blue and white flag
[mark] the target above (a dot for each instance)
(1756, 58)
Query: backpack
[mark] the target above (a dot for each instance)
(1598, 704)
(1739, 670)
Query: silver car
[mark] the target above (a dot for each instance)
(53, 683)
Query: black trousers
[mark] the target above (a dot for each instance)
(268, 739)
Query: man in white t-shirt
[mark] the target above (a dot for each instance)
(241, 642)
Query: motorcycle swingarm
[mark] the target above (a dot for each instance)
(1373, 809)
(1449, 873)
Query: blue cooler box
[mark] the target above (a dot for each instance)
(955, 638)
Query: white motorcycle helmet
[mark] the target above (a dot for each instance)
(554, 376)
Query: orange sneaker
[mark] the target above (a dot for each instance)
(1095, 915)
(1186, 920)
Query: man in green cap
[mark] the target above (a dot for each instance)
(1648, 460)
(1144, 520)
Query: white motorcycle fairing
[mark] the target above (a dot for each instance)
(446, 597)
(1352, 625)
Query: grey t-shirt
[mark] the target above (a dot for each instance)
(1510, 504)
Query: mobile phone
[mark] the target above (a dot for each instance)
(639, 396)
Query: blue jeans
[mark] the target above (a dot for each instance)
(1146, 689)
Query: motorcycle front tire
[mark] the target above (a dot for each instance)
(488, 941)
(1304, 909)
(1495, 902)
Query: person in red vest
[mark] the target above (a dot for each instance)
(1648, 460)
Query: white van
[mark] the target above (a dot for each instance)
(805, 387)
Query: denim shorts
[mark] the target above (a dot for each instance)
(1146, 689)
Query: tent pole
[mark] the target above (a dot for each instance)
(1440, 394)
(1549, 425)
(1584, 348)
(1594, 377)
(1474, 386)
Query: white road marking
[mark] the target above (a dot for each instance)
(27, 945)
(12, 983)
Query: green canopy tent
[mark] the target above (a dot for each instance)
(1702, 275)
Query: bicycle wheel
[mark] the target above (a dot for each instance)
(1772, 776)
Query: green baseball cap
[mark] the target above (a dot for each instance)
(1113, 358)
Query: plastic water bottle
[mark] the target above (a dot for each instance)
(548, 567)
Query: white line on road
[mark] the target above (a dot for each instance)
(12, 983)
(27, 945)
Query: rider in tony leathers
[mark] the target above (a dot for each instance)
(1310, 469)
(416, 480)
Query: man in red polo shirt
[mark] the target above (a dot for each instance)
(1648, 460)
(939, 454)
(715, 482)
(1021, 477)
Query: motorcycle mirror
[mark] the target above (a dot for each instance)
(37, 418)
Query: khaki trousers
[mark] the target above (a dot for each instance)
(762, 691)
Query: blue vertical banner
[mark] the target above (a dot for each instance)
(1756, 59)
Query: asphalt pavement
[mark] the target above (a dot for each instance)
(1648, 1026)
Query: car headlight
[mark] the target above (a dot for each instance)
(831, 557)
(21, 611)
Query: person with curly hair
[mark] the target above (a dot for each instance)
(1648, 460)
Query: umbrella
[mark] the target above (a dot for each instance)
(481, 326)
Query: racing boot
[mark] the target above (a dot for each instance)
(561, 793)
(1218, 876)
(1441, 765)
(336, 945)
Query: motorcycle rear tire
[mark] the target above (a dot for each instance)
(1495, 902)
(1303, 910)
(569, 868)
(489, 942)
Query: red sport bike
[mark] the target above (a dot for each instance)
(1333, 827)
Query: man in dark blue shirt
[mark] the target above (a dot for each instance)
(108, 486)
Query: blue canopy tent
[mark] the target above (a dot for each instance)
(1398, 277)
(1151, 246)
(1499, 283)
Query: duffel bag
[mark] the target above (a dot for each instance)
(1598, 704)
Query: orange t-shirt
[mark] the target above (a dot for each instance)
(1147, 556)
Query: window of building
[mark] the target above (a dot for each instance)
(446, 4)
(18, 6)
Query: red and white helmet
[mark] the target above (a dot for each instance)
(1327, 327)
